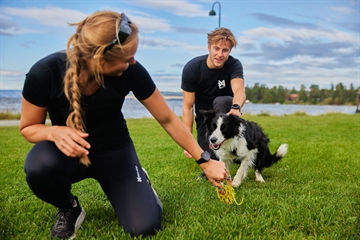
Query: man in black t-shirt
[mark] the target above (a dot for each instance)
(212, 81)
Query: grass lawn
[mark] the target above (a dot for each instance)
(313, 193)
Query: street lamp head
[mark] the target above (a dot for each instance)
(212, 13)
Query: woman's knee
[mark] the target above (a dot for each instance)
(144, 228)
(42, 161)
(148, 224)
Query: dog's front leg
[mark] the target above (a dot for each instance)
(242, 172)
(227, 163)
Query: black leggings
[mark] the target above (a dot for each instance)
(49, 174)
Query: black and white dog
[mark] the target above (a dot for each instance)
(232, 137)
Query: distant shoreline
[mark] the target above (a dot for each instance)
(165, 97)
(18, 94)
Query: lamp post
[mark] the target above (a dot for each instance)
(213, 13)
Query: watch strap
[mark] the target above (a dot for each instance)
(205, 157)
(236, 106)
(201, 160)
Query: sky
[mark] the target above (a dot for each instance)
(285, 43)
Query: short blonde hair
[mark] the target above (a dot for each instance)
(221, 34)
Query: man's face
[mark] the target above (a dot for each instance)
(218, 54)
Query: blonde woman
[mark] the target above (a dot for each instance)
(83, 90)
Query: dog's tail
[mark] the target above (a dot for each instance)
(273, 158)
(280, 153)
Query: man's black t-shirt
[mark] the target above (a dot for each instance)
(104, 120)
(209, 83)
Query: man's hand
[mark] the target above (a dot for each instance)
(235, 112)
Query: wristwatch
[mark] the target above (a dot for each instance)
(236, 106)
(205, 157)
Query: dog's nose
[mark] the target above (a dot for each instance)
(213, 139)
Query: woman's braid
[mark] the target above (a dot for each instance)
(71, 86)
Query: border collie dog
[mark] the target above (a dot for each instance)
(233, 138)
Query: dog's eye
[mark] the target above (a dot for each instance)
(213, 127)
(223, 128)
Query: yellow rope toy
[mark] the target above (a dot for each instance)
(226, 193)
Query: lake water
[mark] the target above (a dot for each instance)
(11, 102)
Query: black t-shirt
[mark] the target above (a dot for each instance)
(209, 83)
(104, 120)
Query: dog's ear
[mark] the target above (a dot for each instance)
(208, 114)
(235, 119)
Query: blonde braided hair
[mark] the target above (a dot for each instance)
(90, 39)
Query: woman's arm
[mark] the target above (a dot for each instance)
(188, 113)
(214, 170)
(32, 126)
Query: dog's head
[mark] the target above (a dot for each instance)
(220, 127)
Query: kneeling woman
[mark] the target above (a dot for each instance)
(83, 90)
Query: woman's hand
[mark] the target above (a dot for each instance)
(215, 171)
(32, 126)
(70, 141)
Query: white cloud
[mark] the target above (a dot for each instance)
(50, 16)
(151, 24)
(60, 17)
(179, 8)
(343, 10)
(306, 61)
(16, 31)
(164, 43)
(5, 73)
(256, 34)
(345, 50)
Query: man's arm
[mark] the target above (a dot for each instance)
(238, 89)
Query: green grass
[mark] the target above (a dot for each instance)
(313, 193)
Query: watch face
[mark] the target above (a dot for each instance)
(235, 106)
(205, 155)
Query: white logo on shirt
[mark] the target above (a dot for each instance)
(221, 84)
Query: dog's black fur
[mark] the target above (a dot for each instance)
(231, 137)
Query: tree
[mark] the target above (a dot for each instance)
(303, 96)
(335, 95)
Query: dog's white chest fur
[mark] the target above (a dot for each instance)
(233, 148)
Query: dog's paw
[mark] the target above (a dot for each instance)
(259, 177)
(260, 180)
(236, 182)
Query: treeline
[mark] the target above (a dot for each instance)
(336, 95)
